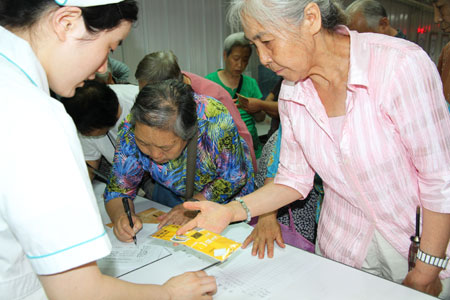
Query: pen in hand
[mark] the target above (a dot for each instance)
(126, 206)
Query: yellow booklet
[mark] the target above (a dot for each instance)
(201, 240)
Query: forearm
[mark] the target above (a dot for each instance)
(266, 199)
(92, 164)
(115, 208)
(269, 217)
(86, 282)
(259, 116)
(435, 238)
(271, 108)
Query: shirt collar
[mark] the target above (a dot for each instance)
(19, 54)
(359, 58)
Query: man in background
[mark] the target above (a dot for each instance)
(442, 17)
(370, 16)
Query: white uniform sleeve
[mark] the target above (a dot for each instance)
(48, 201)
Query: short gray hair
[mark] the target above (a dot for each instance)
(236, 39)
(158, 66)
(167, 105)
(270, 12)
(372, 11)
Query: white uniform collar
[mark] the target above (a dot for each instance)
(19, 54)
(85, 3)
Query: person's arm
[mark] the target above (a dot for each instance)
(93, 165)
(216, 217)
(254, 105)
(259, 116)
(126, 174)
(434, 241)
(86, 282)
(270, 106)
(267, 230)
(421, 118)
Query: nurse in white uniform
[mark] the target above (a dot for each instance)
(50, 229)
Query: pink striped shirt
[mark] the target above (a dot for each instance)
(394, 152)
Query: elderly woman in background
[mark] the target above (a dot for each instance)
(153, 138)
(381, 148)
(236, 54)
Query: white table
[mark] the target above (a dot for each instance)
(291, 274)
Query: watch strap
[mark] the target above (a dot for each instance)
(432, 260)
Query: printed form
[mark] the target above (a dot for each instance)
(128, 257)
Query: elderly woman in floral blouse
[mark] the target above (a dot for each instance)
(153, 139)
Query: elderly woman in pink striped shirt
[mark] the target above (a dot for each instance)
(367, 113)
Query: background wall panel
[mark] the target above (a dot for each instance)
(195, 29)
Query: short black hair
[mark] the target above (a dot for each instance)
(25, 13)
(94, 106)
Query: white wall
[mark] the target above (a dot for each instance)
(193, 29)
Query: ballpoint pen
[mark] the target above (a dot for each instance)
(126, 206)
(415, 243)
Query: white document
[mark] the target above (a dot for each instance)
(128, 257)
(297, 274)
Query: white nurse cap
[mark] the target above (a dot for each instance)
(85, 3)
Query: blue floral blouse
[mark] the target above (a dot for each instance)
(223, 170)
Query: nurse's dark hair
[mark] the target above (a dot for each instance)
(26, 13)
(94, 106)
(167, 105)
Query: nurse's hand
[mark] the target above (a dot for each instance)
(178, 216)
(122, 229)
(191, 285)
(266, 232)
(213, 216)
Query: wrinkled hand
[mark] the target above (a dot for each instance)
(266, 232)
(250, 105)
(213, 216)
(178, 216)
(422, 282)
(191, 285)
(122, 229)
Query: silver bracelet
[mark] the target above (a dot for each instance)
(249, 215)
(432, 260)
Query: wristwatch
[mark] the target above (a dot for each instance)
(247, 211)
(432, 260)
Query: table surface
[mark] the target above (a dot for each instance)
(291, 274)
